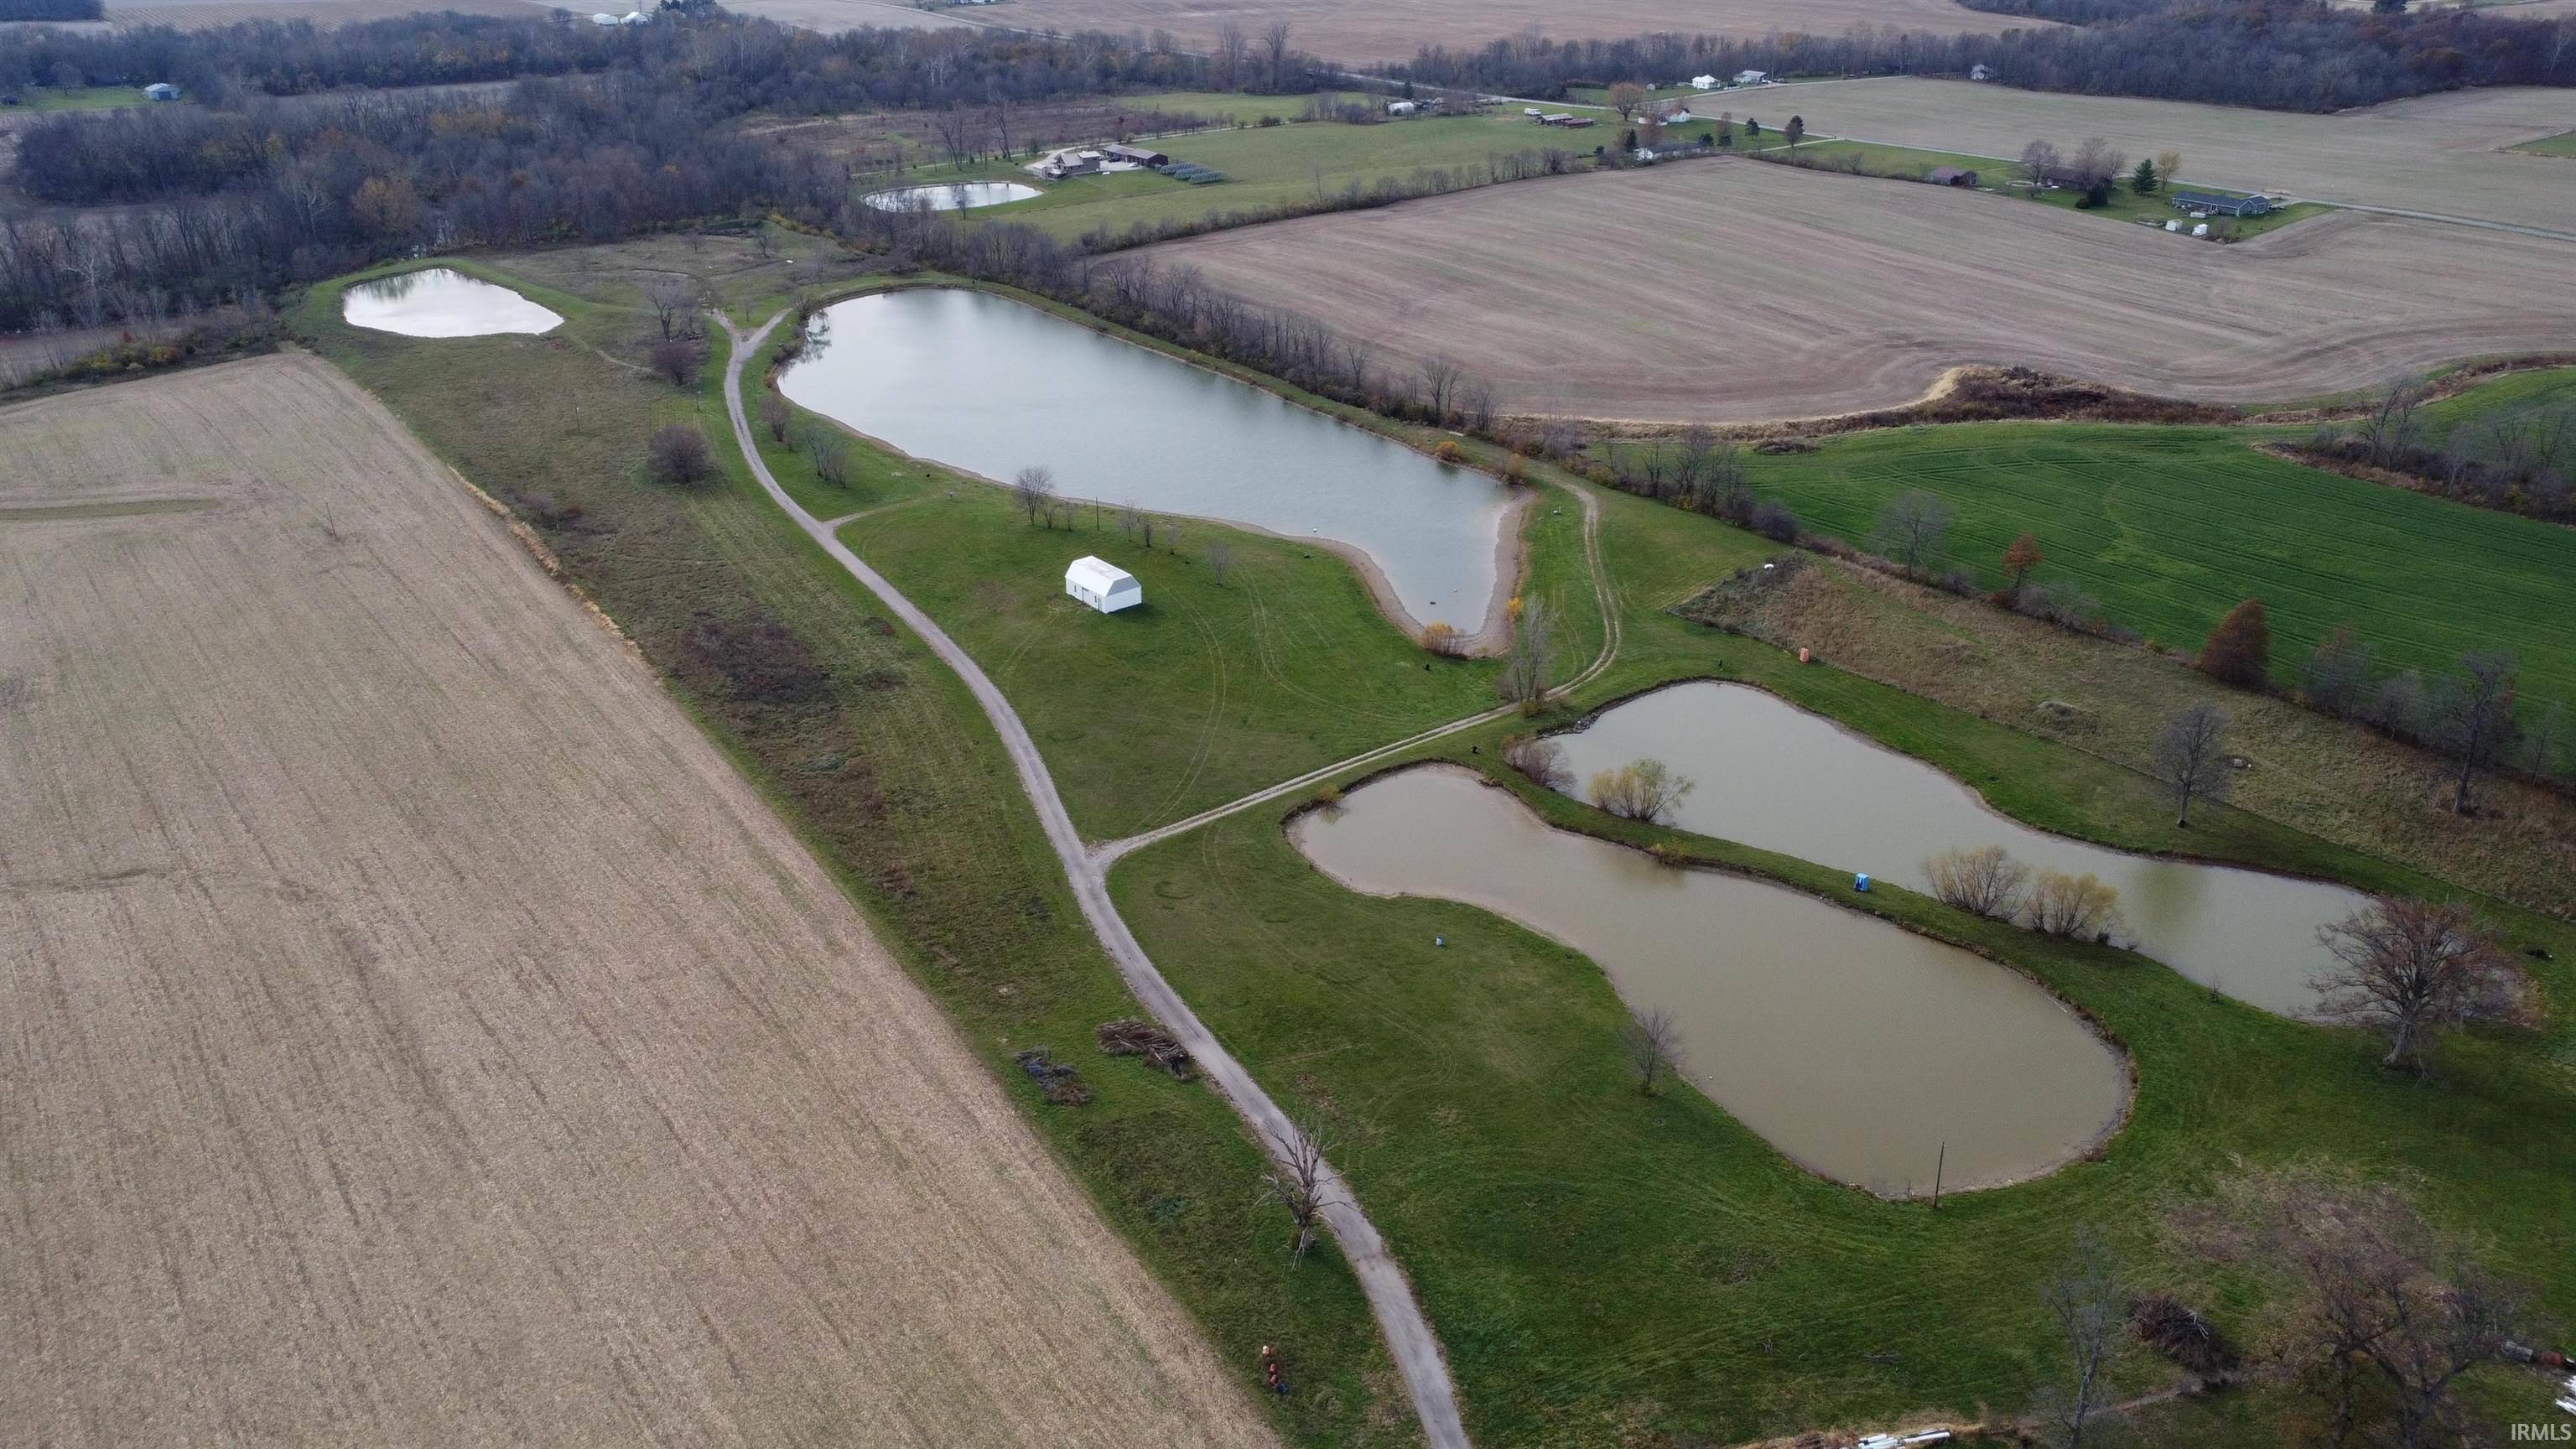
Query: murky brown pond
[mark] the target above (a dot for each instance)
(1854, 1047)
(1772, 775)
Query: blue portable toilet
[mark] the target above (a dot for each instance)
(1861, 882)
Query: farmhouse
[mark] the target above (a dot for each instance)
(1061, 164)
(1135, 155)
(1102, 585)
(1952, 176)
(2220, 205)
(1703, 83)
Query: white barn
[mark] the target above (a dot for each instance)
(1102, 585)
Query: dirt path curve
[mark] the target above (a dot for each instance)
(1107, 854)
(1408, 1335)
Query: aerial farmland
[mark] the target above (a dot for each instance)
(1071, 722)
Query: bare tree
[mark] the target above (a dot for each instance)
(2097, 162)
(2411, 969)
(2168, 165)
(1524, 680)
(2375, 1293)
(678, 453)
(674, 301)
(1912, 524)
(2040, 161)
(2395, 424)
(1654, 1042)
(1539, 760)
(1274, 44)
(1232, 46)
(2190, 757)
(1985, 880)
(1440, 374)
(1645, 790)
(1220, 559)
(1625, 98)
(676, 359)
(958, 127)
(1033, 489)
(829, 452)
(775, 415)
(2471, 716)
(1299, 1181)
(2088, 1308)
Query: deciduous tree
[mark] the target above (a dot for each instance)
(2190, 757)
(1911, 525)
(2410, 970)
(1654, 1042)
(1644, 790)
(2470, 716)
(2019, 559)
(1986, 880)
(2239, 650)
(1033, 489)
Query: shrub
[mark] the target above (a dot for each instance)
(1775, 522)
(2181, 1334)
(1444, 640)
(1449, 451)
(1540, 761)
(2077, 907)
(1645, 790)
(679, 454)
(676, 359)
(775, 415)
(2239, 651)
(1985, 881)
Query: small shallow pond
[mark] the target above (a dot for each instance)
(990, 386)
(1856, 1048)
(949, 196)
(1772, 775)
(442, 302)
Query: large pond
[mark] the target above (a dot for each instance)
(1856, 1048)
(442, 302)
(1772, 775)
(949, 196)
(990, 386)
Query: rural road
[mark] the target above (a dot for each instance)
(1409, 1338)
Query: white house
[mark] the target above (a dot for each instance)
(604, 18)
(1703, 83)
(1102, 585)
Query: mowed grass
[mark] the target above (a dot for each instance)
(889, 771)
(77, 98)
(1205, 692)
(2516, 400)
(1603, 1268)
(2562, 144)
(1288, 164)
(2171, 527)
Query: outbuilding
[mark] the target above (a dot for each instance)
(1753, 77)
(1979, 72)
(1401, 108)
(1102, 584)
(1136, 155)
(1952, 176)
(160, 91)
(2216, 205)
(1703, 83)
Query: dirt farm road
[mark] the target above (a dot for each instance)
(1408, 1335)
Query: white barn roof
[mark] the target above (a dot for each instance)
(1102, 584)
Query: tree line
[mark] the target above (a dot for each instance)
(53, 10)
(2274, 54)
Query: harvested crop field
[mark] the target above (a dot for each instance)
(1733, 291)
(1368, 30)
(2441, 153)
(418, 1034)
(207, 14)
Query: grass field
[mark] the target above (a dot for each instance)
(1203, 693)
(2441, 153)
(1913, 164)
(420, 1033)
(2512, 398)
(1815, 293)
(1605, 1268)
(1289, 164)
(2562, 144)
(884, 766)
(2171, 527)
(77, 98)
